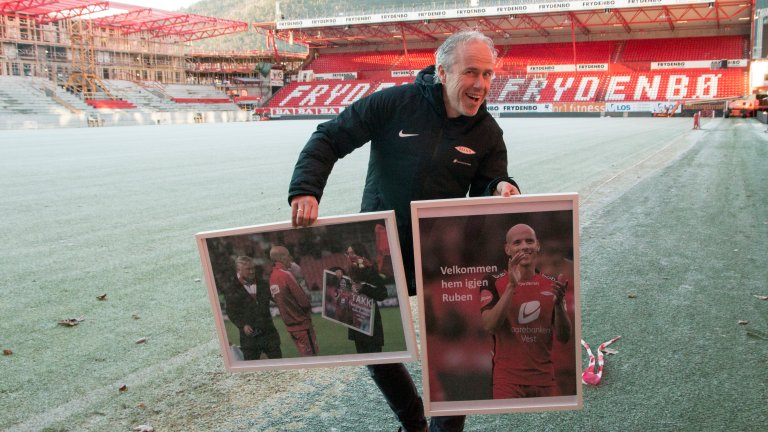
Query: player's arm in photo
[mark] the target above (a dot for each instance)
(494, 307)
(560, 319)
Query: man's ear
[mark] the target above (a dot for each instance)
(441, 73)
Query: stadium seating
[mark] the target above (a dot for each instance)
(683, 49)
(28, 95)
(416, 59)
(354, 62)
(626, 77)
(329, 93)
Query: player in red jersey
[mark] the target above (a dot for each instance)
(524, 311)
(293, 302)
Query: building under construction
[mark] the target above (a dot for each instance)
(81, 42)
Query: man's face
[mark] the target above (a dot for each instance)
(467, 83)
(521, 238)
(286, 259)
(247, 272)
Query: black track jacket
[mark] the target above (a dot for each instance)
(417, 153)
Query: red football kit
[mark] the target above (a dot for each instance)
(522, 348)
(295, 309)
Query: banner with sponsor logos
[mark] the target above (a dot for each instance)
(699, 64)
(652, 107)
(336, 76)
(530, 8)
(519, 108)
(551, 68)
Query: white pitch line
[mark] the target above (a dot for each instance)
(625, 170)
(135, 379)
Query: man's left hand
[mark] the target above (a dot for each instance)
(559, 287)
(505, 189)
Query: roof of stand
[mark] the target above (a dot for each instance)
(125, 18)
(543, 20)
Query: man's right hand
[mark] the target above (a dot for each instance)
(512, 269)
(248, 330)
(304, 210)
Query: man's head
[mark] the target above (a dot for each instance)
(522, 238)
(465, 64)
(246, 269)
(280, 254)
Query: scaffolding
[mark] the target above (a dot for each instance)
(79, 43)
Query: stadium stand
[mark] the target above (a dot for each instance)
(355, 62)
(626, 74)
(33, 102)
(683, 49)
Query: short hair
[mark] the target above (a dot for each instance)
(243, 260)
(446, 53)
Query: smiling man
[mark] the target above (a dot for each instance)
(432, 139)
(524, 311)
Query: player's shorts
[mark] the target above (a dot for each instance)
(514, 391)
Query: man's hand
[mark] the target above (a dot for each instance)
(505, 189)
(248, 330)
(558, 288)
(303, 210)
(513, 271)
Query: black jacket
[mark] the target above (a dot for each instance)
(417, 153)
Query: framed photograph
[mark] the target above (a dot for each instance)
(276, 293)
(345, 304)
(498, 290)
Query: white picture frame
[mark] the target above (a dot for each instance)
(460, 256)
(316, 249)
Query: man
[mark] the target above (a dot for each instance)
(247, 306)
(366, 281)
(429, 140)
(524, 310)
(293, 303)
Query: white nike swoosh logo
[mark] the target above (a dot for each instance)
(406, 135)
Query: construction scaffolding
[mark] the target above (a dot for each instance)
(78, 43)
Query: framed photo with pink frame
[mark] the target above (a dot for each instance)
(265, 285)
(498, 290)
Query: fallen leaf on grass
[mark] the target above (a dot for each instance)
(197, 279)
(144, 428)
(70, 322)
(141, 406)
(743, 322)
(122, 388)
(7, 352)
(632, 295)
(135, 316)
(610, 351)
(101, 297)
(761, 297)
(141, 340)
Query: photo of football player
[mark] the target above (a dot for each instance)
(525, 312)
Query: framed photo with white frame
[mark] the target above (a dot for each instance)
(266, 287)
(498, 289)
